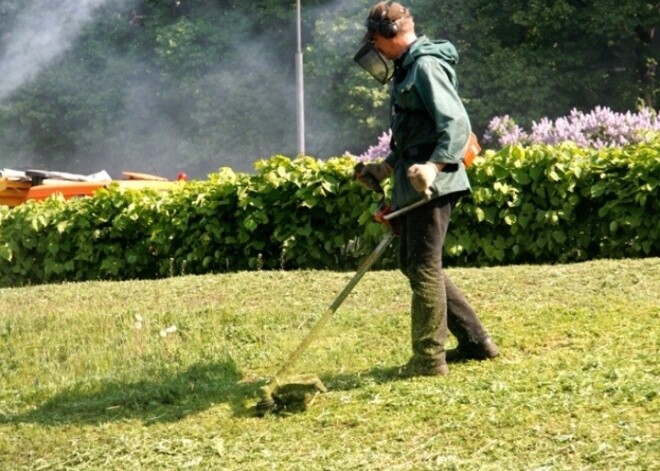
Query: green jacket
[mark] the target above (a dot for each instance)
(428, 120)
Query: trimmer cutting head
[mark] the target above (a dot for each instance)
(292, 396)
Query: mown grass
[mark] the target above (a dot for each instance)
(92, 378)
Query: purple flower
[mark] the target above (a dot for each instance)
(505, 131)
(379, 151)
(599, 128)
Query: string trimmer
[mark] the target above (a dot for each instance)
(293, 394)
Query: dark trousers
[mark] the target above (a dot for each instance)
(437, 304)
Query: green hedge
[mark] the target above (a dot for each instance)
(290, 214)
(530, 205)
(547, 204)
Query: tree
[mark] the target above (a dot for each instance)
(193, 85)
(533, 58)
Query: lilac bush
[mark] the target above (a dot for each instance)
(379, 151)
(599, 128)
(504, 131)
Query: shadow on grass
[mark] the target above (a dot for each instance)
(349, 381)
(171, 398)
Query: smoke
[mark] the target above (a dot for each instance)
(243, 108)
(40, 33)
(338, 31)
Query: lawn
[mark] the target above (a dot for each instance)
(165, 374)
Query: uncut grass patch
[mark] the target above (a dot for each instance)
(163, 374)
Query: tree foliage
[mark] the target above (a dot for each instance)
(162, 86)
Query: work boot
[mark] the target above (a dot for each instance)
(415, 367)
(485, 350)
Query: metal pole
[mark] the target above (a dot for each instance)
(323, 320)
(300, 95)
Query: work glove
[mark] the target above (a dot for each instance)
(376, 170)
(422, 176)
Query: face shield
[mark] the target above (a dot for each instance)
(380, 68)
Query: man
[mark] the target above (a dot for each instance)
(430, 132)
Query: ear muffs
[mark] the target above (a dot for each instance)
(385, 28)
(383, 25)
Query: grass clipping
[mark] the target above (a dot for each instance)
(292, 396)
(164, 374)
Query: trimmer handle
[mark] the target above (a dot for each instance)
(367, 179)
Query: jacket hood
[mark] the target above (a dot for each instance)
(442, 49)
